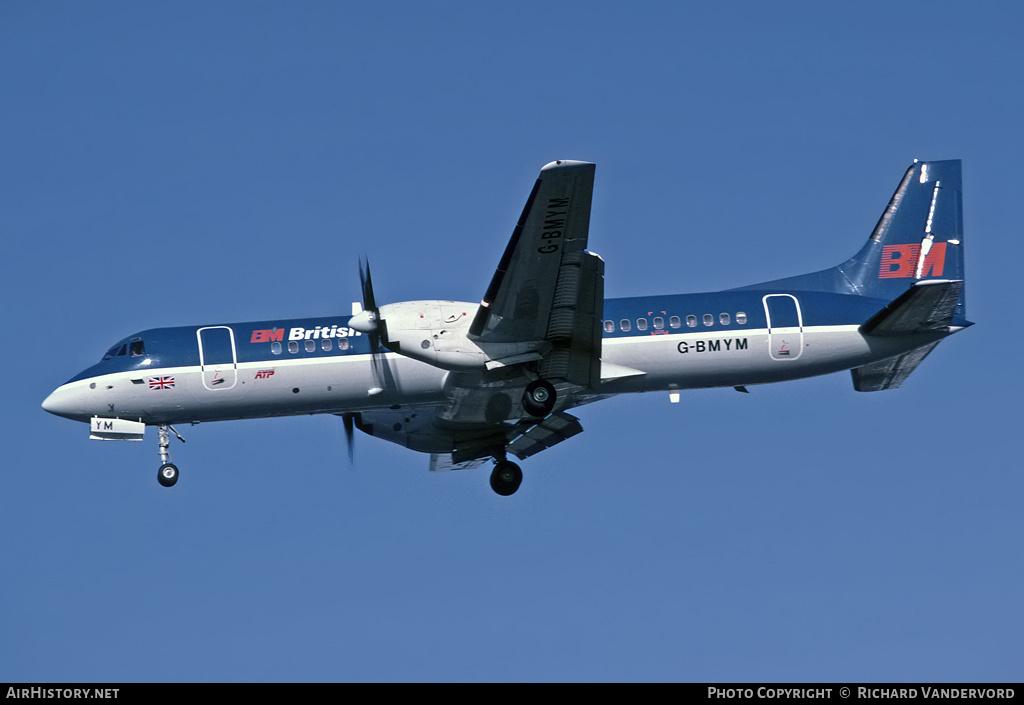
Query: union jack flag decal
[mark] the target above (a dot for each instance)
(161, 382)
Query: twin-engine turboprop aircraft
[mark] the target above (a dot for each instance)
(470, 383)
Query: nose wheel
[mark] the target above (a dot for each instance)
(167, 475)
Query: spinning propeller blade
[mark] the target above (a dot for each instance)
(349, 421)
(369, 303)
(373, 326)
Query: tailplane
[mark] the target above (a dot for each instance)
(925, 308)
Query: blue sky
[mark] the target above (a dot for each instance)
(213, 162)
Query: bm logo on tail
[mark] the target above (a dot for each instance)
(901, 261)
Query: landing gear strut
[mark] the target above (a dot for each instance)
(506, 478)
(167, 475)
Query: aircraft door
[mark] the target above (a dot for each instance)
(785, 326)
(217, 357)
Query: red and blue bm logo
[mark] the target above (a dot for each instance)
(276, 335)
(900, 261)
(267, 336)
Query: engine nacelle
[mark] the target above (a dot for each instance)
(435, 332)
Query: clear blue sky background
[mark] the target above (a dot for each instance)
(193, 162)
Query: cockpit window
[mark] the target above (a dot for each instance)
(136, 348)
(115, 351)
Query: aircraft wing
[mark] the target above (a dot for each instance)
(459, 445)
(547, 289)
(541, 317)
(523, 440)
(442, 462)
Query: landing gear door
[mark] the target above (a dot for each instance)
(785, 326)
(217, 357)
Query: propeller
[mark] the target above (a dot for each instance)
(349, 421)
(369, 322)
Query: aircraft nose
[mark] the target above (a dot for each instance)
(52, 402)
(62, 402)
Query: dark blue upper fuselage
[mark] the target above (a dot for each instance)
(329, 336)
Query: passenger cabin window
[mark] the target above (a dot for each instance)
(293, 346)
(609, 326)
(310, 346)
(709, 320)
(326, 344)
(674, 322)
(641, 324)
(659, 323)
(136, 348)
(275, 348)
(342, 343)
(741, 318)
(724, 319)
(624, 324)
(691, 321)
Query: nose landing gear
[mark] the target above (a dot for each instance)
(167, 475)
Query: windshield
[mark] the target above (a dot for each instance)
(115, 351)
(135, 348)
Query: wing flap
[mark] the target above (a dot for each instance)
(442, 462)
(553, 430)
(574, 326)
(525, 440)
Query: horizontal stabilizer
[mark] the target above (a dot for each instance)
(926, 306)
(889, 374)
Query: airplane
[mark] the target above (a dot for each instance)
(477, 383)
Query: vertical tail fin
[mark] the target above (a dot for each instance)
(918, 237)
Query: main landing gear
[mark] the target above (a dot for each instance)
(539, 398)
(506, 478)
(538, 401)
(167, 475)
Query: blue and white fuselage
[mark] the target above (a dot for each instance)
(469, 381)
(677, 342)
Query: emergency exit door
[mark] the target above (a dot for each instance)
(785, 326)
(217, 358)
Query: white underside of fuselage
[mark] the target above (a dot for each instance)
(351, 383)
